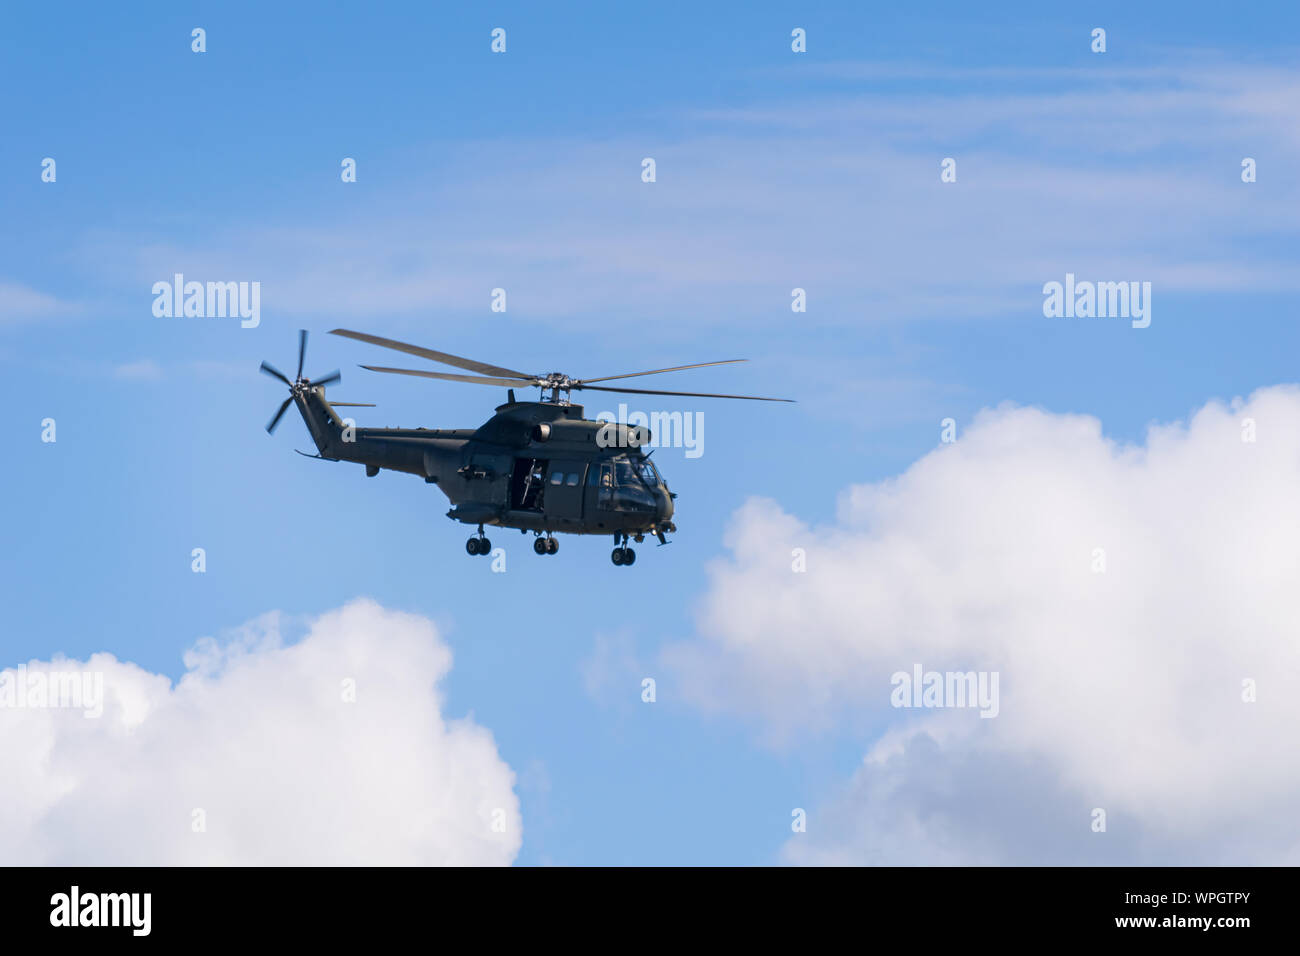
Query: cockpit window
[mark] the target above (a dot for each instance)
(632, 488)
(625, 474)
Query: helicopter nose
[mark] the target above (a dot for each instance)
(665, 505)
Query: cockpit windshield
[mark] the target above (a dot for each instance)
(627, 484)
(633, 474)
(625, 474)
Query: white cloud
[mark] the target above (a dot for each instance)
(257, 735)
(1120, 690)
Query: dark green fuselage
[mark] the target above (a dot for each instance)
(536, 466)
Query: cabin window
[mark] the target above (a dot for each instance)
(604, 475)
(573, 480)
(557, 478)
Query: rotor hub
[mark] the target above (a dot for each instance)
(557, 382)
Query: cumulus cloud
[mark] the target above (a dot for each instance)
(260, 736)
(1123, 594)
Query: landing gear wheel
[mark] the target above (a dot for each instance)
(539, 545)
(629, 556)
(616, 556)
(552, 545)
(471, 546)
(484, 545)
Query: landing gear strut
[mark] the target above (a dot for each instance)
(479, 544)
(622, 555)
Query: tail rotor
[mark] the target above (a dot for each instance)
(299, 385)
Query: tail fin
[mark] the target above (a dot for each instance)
(327, 429)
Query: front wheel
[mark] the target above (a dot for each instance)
(552, 545)
(471, 546)
(616, 556)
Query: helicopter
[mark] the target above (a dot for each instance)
(534, 466)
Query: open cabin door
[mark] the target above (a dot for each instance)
(528, 484)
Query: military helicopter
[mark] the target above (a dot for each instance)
(536, 466)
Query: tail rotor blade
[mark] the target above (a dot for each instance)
(329, 379)
(274, 372)
(271, 425)
(302, 349)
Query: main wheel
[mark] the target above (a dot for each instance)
(617, 556)
(629, 556)
(484, 545)
(472, 546)
(539, 545)
(552, 545)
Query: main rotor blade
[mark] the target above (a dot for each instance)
(270, 426)
(446, 359)
(651, 391)
(274, 372)
(302, 349)
(330, 379)
(352, 404)
(449, 377)
(676, 368)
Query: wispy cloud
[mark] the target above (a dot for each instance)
(1129, 174)
(143, 370)
(21, 303)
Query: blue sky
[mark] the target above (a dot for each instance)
(775, 170)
